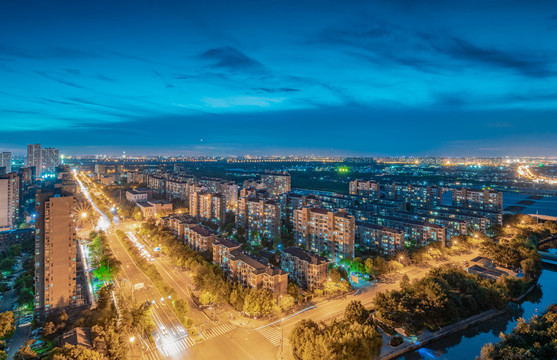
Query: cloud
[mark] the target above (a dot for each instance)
(234, 101)
(105, 78)
(64, 82)
(527, 64)
(229, 58)
(276, 90)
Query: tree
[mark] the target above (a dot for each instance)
(259, 302)
(404, 282)
(6, 324)
(75, 352)
(3, 355)
(25, 352)
(207, 298)
(531, 268)
(356, 312)
(286, 302)
(293, 290)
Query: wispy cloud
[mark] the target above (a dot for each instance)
(229, 58)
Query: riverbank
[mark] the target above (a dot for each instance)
(426, 337)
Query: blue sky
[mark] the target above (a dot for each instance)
(280, 77)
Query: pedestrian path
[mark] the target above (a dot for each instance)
(272, 333)
(176, 347)
(217, 331)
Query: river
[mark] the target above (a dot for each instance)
(468, 343)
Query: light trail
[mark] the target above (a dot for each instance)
(525, 171)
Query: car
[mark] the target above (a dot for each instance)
(7, 348)
(37, 331)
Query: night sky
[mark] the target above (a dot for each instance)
(388, 77)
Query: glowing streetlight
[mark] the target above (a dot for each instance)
(132, 339)
(83, 215)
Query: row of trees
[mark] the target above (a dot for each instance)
(445, 295)
(209, 279)
(354, 337)
(110, 329)
(536, 339)
(106, 265)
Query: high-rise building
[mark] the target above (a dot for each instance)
(208, 206)
(55, 252)
(9, 201)
(323, 231)
(365, 188)
(478, 199)
(50, 160)
(34, 158)
(6, 162)
(277, 183)
(259, 218)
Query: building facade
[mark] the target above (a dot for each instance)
(259, 218)
(55, 253)
(34, 158)
(9, 201)
(309, 270)
(385, 240)
(323, 231)
(50, 160)
(6, 162)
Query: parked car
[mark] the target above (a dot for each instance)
(8, 347)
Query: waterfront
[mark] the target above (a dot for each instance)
(468, 343)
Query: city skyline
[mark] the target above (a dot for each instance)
(374, 79)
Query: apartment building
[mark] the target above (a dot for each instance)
(153, 207)
(50, 160)
(6, 162)
(176, 223)
(55, 253)
(34, 158)
(478, 199)
(309, 270)
(475, 222)
(251, 272)
(199, 238)
(415, 232)
(453, 227)
(137, 196)
(365, 188)
(222, 251)
(383, 239)
(208, 206)
(259, 218)
(9, 201)
(323, 231)
(492, 217)
(277, 183)
(177, 189)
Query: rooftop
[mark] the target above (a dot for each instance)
(306, 255)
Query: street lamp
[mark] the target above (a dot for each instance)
(132, 339)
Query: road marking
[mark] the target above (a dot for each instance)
(273, 334)
(217, 331)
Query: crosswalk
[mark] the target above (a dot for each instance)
(184, 343)
(272, 333)
(216, 331)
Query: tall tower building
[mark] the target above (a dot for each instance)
(6, 161)
(55, 252)
(34, 158)
(9, 201)
(50, 160)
